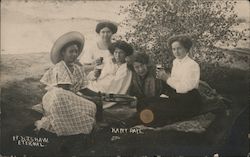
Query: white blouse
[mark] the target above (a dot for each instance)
(113, 79)
(93, 52)
(185, 75)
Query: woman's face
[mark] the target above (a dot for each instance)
(178, 50)
(119, 55)
(105, 34)
(70, 53)
(140, 69)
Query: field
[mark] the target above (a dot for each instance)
(20, 89)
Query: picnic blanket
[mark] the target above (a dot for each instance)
(212, 101)
(197, 124)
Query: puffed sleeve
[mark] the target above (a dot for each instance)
(87, 56)
(56, 75)
(49, 78)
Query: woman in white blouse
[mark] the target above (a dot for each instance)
(184, 100)
(97, 54)
(115, 77)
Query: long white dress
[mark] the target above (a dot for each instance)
(66, 113)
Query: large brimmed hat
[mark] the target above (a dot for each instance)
(112, 26)
(66, 40)
(123, 45)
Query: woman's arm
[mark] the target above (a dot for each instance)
(89, 67)
(64, 86)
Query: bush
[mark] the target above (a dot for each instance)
(152, 22)
(224, 79)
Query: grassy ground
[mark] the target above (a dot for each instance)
(22, 90)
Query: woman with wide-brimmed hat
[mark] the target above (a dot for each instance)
(97, 53)
(66, 113)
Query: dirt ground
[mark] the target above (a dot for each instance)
(20, 89)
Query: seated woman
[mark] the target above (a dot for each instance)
(97, 53)
(184, 100)
(66, 113)
(115, 77)
(144, 82)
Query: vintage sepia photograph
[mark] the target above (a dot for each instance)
(125, 78)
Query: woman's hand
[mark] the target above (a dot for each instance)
(97, 72)
(99, 61)
(162, 75)
(91, 76)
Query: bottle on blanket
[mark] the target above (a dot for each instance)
(99, 108)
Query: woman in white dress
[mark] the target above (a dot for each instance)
(98, 53)
(115, 77)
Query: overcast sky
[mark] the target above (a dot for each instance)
(33, 27)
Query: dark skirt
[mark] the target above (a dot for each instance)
(168, 110)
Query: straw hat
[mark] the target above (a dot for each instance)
(66, 39)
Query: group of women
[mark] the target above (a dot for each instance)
(68, 113)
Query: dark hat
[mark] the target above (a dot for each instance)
(123, 46)
(141, 58)
(110, 25)
(183, 39)
(64, 41)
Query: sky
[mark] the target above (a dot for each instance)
(243, 8)
(34, 26)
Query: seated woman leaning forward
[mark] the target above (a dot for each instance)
(65, 113)
(115, 77)
(184, 100)
(144, 82)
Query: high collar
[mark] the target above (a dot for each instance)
(183, 59)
